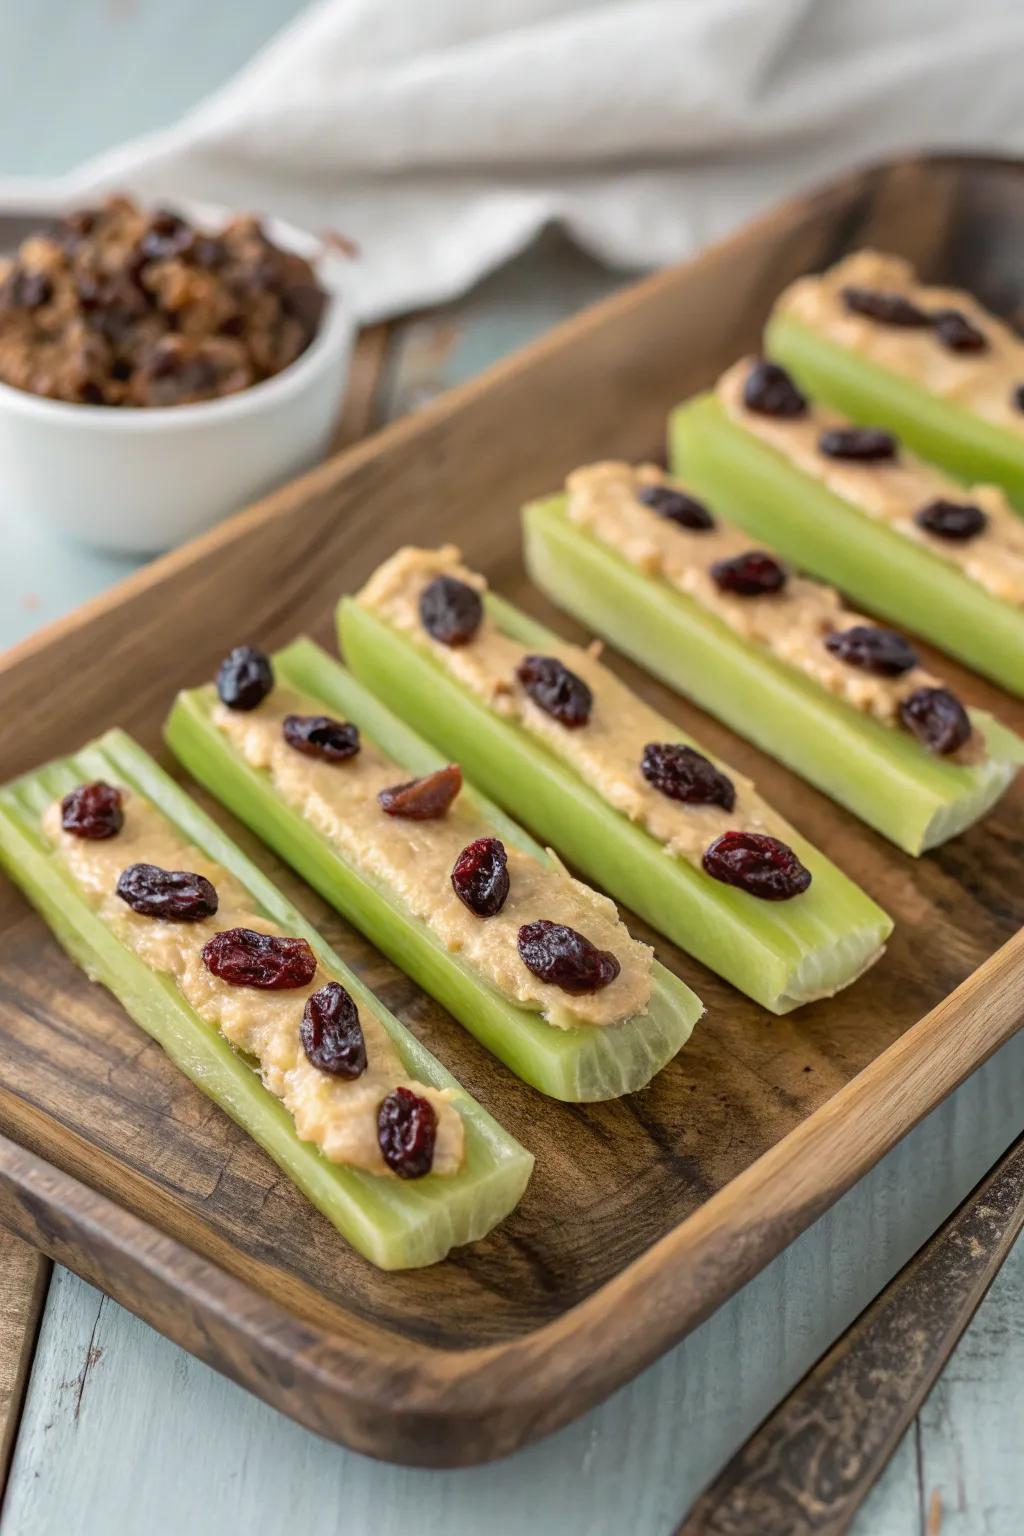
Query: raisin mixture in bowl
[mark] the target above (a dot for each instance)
(122, 306)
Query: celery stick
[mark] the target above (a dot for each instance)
(579, 1064)
(395, 1224)
(881, 774)
(753, 485)
(965, 444)
(780, 954)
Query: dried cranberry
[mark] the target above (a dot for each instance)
(564, 958)
(93, 811)
(425, 799)
(880, 651)
(244, 678)
(451, 611)
(958, 333)
(480, 876)
(769, 391)
(749, 575)
(245, 958)
(331, 1034)
(951, 519)
(406, 1132)
(937, 718)
(860, 443)
(556, 690)
(760, 865)
(676, 507)
(334, 741)
(886, 308)
(176, 895)
(684, 774)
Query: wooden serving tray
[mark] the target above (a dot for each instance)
(645, 1214)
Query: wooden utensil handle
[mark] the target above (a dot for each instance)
(809, 1467)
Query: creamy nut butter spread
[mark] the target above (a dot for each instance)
(894, 490)
(792, 623)
(607, 751)
(338, 1114)
(983, 379)
(413, 860)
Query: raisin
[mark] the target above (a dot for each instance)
(749, 575)
(480, 876)
(93, 811)
(951, 519)
(882, 652)
(769, 391)
(331, 1034)
(245, 958)
(937, 718)
(333, 741)
(758, 864)
(425, 799)
(406, 1132)
(176, 895)
(684, 774)
(451, 611)
(886, 308)
(556, 690)
(676, 507)
(168, 235)
(958, 333)
(26, 290)
(860, 443)
(564, 958)
(1018, 397)
(244, 678)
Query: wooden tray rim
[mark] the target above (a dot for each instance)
(450, 1407)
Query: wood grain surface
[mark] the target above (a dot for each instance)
(644, 1214)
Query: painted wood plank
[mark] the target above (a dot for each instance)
(123, 1432)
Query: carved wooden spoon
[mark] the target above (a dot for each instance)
(808, 1468)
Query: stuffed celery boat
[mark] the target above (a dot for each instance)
(930, 363)
(892, 532)
(402, 1190)
(788, 667)
(619, 790)
(445, 895)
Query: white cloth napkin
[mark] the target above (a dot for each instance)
(442, 134)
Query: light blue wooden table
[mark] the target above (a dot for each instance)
(122, 1433)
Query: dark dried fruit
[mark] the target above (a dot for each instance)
(758, 864)
(26, 290)
(882, 652)
(244, 678)
(556, 690)
(749, 575)
(451, 610)
(167, 236)
(684, 774)
(958, 333)
(331, 1034)
(425, 799)
(770, 391)
(937, 718)
(406, 1132)
(245, 958)
(951, 519)
(865, 444)
(175, 895)
(93, 811)
(480, 876)
(886, 308)
(1018, 397)
(564, 958)
(333, 741)
(676, 507)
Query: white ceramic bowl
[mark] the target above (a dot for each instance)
(142, 479)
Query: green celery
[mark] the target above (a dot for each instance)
(396, 1224)
(781, 954)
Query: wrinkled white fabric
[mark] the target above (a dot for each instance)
(441, 134)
